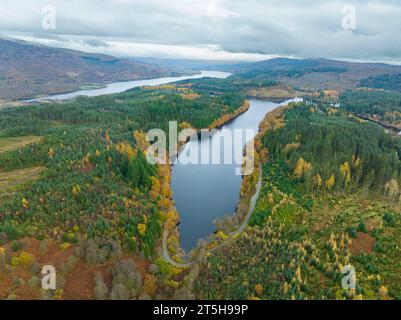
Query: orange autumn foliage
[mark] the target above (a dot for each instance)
(107, 137)
(141, 141)
(150, 284)
(126, 149)
(227, 117)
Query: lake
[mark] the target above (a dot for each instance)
(204, 192)
(117, 87)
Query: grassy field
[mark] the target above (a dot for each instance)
(9, 144)
(10, 180)
(272, 93)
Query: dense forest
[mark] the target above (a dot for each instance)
(324, 144)
(330, 197)
(384, 106)
(235, 83)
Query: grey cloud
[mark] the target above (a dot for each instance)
(96, 43)
(308, 28)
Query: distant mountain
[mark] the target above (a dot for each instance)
(28, 70)
(181, 65)
(315, 73)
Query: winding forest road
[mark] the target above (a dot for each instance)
(244, 224)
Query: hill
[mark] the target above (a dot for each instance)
(390, 82)
(315, 74)
(180, 65)
(28, 70)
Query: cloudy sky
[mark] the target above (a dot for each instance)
(213, 29)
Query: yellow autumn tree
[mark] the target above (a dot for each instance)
(150, 284)
(171, 219)
(302, 167)
(299, 167)
(141, 141)
(156, 187)
(259, 289)
(228, 116)
(107, 137)
(221, 235)
(141, 227)
(165, 203)
(307, 166)
(291, 147)
(330, 182)
(185, 125)
(356, 161)
(346, 173)
(76, 190)
(383, 292)
(51, 153)
(25, 203)
(317, 181)
(87, 159)
(166, 190)
(126, 149)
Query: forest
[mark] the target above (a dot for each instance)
(390, 82)
(76, 190)
(379, 105)
(235, 83)
(330, 149)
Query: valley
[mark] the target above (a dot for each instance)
(28, 70)
(77, 191)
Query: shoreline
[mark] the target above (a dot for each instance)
(253, 200)
(245, 204)
(232, 116)
(217, 124)
(248, 200)
(95, 86)
(48, 97)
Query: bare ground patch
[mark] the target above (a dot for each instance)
(363, 244)
(79, 281)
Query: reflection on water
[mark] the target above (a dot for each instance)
(203, 193)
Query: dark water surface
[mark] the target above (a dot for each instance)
(203, 193)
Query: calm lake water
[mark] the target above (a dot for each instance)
(203, 193)
(117, 87)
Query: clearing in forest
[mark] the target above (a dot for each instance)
(9, 144)
(10, 180)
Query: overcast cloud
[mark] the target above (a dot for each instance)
(212, 29)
